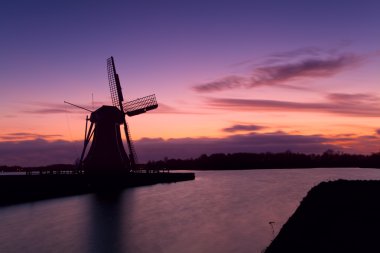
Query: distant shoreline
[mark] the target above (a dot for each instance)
(244, 161)
(284, 160)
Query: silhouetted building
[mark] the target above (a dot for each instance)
(107, 154)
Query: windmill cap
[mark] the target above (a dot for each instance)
(107, 114)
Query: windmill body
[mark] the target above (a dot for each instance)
(107, 154)
(107, 151)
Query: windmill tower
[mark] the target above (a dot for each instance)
(107, 153)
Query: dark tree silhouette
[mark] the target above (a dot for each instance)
(288, 159)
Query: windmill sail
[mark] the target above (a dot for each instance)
(117, 101)
(114, 81)
(140, 105)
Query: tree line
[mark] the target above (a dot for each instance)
(242, 161)
(286, 160)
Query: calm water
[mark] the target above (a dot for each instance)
(224, 211)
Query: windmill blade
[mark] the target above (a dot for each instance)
(87, 137)
(131, 148)
(140, 105)
(117, 101)
(114, 82)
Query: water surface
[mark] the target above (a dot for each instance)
(220, 211)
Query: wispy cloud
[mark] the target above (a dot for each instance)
(21, 136)
(312, 51)
(354, 98)
(242, 128)
(312, 67)
(38, 152)
(361, 105)
(57, 108)
(299, 52)
(169, 109)
(9, 116)
(284, 68)
(225, 83)
(45, 111)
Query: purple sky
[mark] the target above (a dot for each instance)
(229, 76)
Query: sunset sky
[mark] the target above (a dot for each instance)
(229, 76)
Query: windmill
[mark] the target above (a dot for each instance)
(107, 153)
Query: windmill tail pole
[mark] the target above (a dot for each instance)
(80, 107)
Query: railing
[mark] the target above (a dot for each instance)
(145, 170)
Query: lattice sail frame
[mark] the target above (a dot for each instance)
(140, 105)
(114, 82)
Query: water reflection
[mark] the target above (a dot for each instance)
(106, 211)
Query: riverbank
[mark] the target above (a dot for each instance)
(23, 188)
(338, 216)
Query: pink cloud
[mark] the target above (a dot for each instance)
(360, 105)
(283, 73)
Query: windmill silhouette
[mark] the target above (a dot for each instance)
(107, 153)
